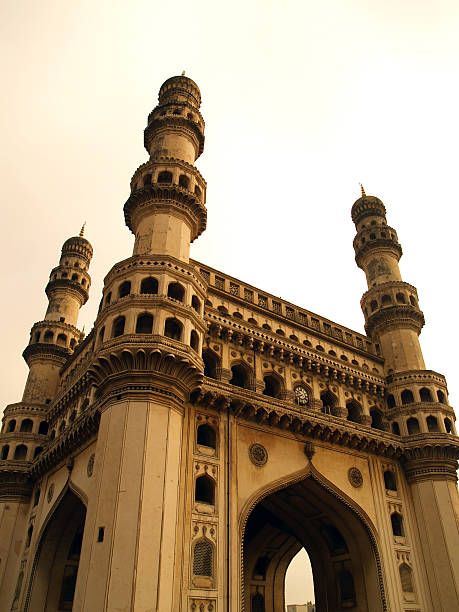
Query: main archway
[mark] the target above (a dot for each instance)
(57, 558)
(338, 538)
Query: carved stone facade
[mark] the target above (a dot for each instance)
(180, 455)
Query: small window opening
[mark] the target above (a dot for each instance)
(389, 480)
(194, 340)
(176, 291)
(432, 423)
(173, 329)
(144, 324)
(413, 426)
(205, 490)
(125, 289)
(396, 520)
(206, 436)
(240, 377)
(165, 177)
(118, 326)
(425, 395)
(407, 397)
(184, 181)
(149, 285)
(27, 425)
(272, 387)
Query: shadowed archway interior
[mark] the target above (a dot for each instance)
(57, 558)
(339, 546)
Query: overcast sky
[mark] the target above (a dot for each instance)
(302, 101)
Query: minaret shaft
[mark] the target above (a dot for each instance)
(392, 316)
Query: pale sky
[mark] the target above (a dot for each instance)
(302, 101)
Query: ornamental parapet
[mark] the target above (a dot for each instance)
(283, 350)
(166, 198)
(53, 352)
(25, 409)
(15, 481)
(420, 407)
(379, 244)
(394, 317)
(265, 304)
(72, 286)
(179, 123)
(82, 429)
(415, 376)
(431, 456)
(151, 169)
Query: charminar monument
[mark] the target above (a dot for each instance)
(181, 454)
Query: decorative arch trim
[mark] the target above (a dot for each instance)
(282, 483)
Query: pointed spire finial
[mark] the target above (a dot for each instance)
(363, 190)
(82, 230)
(183, 73)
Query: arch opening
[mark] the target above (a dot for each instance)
(54, 581)
(339, 544)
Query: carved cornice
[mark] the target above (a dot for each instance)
(166, 198)
(250, 406)
(377, 245)
(15, 482)
(165, 362)
(431, 456)
(394, 317)
(179, 123)
(26, 409)
(69, 285)
(81, 430)
(52, 352)
(166, 160)
(401, 379)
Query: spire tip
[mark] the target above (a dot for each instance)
(362, 190)
(82, 230)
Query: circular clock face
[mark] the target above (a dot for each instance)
(301, 396)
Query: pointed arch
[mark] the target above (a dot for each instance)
(53, 545)
(359, 517)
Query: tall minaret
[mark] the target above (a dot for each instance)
(392, 316)
(417, 404)
(53, 339)
(166, 209)
(147, 361)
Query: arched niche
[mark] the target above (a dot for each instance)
(339, 538)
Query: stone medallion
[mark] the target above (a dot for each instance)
(355, 477)
(90, 467)
(258, 454)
